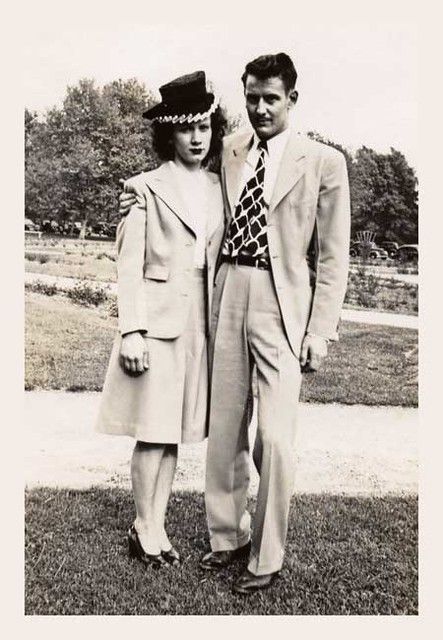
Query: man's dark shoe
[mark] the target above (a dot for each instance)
(215, 560)
(248, 582)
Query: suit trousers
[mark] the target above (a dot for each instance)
(247, 332)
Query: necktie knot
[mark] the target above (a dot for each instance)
(262, 145)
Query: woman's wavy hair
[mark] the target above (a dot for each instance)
(163, 144)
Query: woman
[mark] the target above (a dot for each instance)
(156, 387)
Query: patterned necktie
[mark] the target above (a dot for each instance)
(247, 231)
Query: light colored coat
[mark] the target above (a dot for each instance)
(156, 243)
(160, 293)
(310, 202)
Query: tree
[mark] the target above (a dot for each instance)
(383, 190)
(76, 155)
(385, 196)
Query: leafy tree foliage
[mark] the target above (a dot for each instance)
(384, 194)
(76, 155)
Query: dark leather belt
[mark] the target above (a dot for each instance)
(248, 261)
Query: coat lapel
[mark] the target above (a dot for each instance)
(163, 183)
(291, 169)
(234, 167)
(215, 205)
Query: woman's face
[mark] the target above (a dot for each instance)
(192, 141)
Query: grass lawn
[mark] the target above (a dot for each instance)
(345, 555)
(72, 258)
(68, 346)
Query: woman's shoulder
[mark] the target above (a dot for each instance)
(141, 180)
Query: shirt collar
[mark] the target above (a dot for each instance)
(276, 144)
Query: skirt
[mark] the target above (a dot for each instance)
(168, 403)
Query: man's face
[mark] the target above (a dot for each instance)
(268, 105)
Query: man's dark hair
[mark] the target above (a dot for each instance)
(164, 146)
(277, 65)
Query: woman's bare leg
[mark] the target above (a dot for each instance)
(145, 468)
(163, 491)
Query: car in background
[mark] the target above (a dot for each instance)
(30, 225)
(51, 226)
(357, 250)
(390, 247)
(407, 253)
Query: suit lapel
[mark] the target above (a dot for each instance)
(292, 167)
(234, 168)
(163, 183)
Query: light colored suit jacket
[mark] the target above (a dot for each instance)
(310, 202)
(155, 244)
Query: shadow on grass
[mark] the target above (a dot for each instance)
(345, 555)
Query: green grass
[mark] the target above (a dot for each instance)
(68, 347)
(344, 556)
(93, 260)
(366, 366)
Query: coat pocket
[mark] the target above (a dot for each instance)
(156, 272)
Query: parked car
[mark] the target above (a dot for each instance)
(407, 253)
(390, 247)
(30, 225)
(357, 250)
(50, 226)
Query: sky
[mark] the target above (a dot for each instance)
(358, 77)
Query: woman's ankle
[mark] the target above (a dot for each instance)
(144, 526)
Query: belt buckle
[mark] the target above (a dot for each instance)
(261, 263)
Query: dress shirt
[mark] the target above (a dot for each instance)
(273, 156)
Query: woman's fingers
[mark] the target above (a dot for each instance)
(132, 353)
(133, 365)
(146, 359)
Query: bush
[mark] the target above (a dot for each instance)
(37, 257)
(42, 287)
(112, 307)
(85, 294)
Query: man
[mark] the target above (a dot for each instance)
(284, 194)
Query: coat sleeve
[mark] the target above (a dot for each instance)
(333, 231)
(131, 241)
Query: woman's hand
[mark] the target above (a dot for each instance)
(134, 357)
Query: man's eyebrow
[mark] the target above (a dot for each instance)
(269, 94)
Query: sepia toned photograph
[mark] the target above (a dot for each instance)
(221, 255)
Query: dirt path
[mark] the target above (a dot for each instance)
(340, 449)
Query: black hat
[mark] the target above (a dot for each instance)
(184, 99)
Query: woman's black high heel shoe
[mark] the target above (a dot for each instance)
(136, 551)
(172, 557)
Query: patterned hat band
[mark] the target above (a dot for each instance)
(189, 118)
